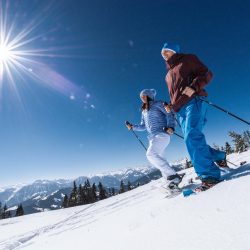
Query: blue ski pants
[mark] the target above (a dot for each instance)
(192, 117)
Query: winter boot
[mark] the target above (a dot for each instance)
(222, 163)
(207, 183)
(174, 181)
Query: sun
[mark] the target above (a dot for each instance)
(23, 57)
(5, 53)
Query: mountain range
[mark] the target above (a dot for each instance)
(44, 195)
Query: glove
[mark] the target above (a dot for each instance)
(188, 91)
(128, 125)
(169, 131)
(168, 107)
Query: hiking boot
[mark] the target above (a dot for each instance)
(208, 182)
(222, 163)
(175, 180)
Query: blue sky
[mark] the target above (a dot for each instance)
(70, 122)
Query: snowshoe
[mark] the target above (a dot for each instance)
(175, 180)
(206, 184)
(222, 163)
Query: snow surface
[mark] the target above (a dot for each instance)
(144, 219)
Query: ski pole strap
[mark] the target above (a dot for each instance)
(227, 112)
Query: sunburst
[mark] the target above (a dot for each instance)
(5, 53)
(19, 55)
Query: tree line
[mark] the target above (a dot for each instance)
(240, 143)
(5, 213)
(87, 193)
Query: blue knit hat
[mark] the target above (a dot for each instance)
(170, 46)
(149, 92)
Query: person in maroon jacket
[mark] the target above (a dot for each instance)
(186, 78)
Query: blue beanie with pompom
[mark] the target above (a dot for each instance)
(149, 92)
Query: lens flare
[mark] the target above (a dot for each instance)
(20, 55)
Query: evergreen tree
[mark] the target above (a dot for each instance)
(73, 196)
(188, 164)
(239, 143)
(113, 191)
(5, 214)
(8, 214)
(85, 197)
(246, 137)
(89, 192)
(94, 195)
(87, 184)
(86, 192)
(228, 148)
(109, 192)
(65, 201)
(129, 186)
(19, 211)
(102, 192)
(80, 195)
(122, 188)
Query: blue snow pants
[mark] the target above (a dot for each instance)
(192, 117)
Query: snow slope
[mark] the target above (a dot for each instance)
(144, 219)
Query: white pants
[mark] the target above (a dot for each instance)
(155, 154)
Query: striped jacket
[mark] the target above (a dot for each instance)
(155, 119)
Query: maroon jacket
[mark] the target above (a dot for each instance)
(186, 70)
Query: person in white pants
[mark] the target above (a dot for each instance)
(155, 154)
(160, 125)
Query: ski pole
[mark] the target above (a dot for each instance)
(180, 127)
(164, 104)
(179, 135)
(231, 163)
(177, 122)
(127, 123)
(227, 112)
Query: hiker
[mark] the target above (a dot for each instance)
(160, 125)
(186, 78)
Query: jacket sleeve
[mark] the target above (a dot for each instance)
(170, 117)
(141, 126)
(201, 74)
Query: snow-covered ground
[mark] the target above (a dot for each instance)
(144, 219)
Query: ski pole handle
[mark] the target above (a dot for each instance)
(165, 130)
(127, 123)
